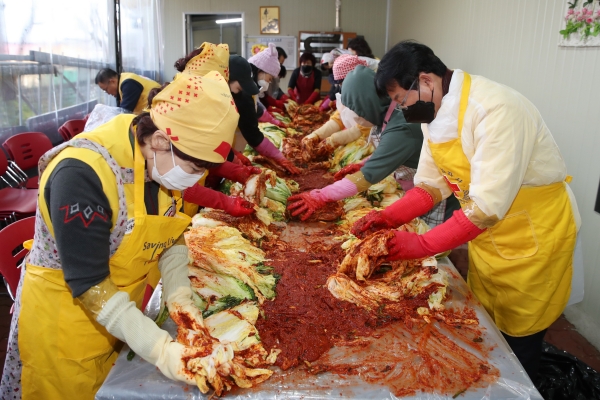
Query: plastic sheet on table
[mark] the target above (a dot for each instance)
(100, 115)
(137, 379)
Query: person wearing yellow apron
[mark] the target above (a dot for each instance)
(131, 90)
(215, 57)
(396, 153)
(107, 216)
(488, 145)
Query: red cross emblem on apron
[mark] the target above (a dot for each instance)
(455, 188)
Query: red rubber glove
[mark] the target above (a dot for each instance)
(304, 203)
(416, 202)
(314, 96)
(452, 233)
(205, 197)
(289, 166)
(284, 98)
(234, 172)
(238, 207)
(292, 94)
(269, 100)
(347, 170)
(242, 158)
(272, 109)
(280, 104)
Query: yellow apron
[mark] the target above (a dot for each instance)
(147, 84)
(520, 269)
(66, 354)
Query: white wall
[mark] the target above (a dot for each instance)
(515, 42)
(363, 17)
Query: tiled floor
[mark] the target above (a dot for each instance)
(561, 334)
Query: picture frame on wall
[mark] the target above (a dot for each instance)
(269, 20)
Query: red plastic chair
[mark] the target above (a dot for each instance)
(21, 202)
(25, 149)
(72, 128)
(12, 237)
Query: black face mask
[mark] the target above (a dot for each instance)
(420, 112)
(306, 69)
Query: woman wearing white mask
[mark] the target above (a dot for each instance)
(110, 206)
(243, 86)
(265, 69)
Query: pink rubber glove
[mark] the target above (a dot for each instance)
(415, 203)
(308, 202)
(268, 149)
(234, 172)
(452, 233)
(325, 105)
(205, 197)
(314, 96)
(267, 117)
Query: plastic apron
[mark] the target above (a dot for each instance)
(520, 269)
(66, 354)
(305, 86)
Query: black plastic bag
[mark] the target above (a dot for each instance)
(563, 376)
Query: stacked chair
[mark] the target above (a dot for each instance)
(25, 150)
(12, 251)
(72, 128)
(15, 202)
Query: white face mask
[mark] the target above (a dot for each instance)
(176, 178)
(264, 86)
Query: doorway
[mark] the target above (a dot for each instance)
(215, 28)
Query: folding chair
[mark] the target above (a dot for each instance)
(72, 128)
(15, 203)
(25, 149)
(12, 252)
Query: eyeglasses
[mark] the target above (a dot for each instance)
(401, 104)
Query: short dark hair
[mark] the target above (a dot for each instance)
(146, 127)
(104, 75)
(281, 52)
(402, 64)
(361, 47)
(308, 56)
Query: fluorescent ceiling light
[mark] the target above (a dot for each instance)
(227, 21)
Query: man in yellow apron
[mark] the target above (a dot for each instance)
(488, 145)
(131, 90)
(108, 211)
